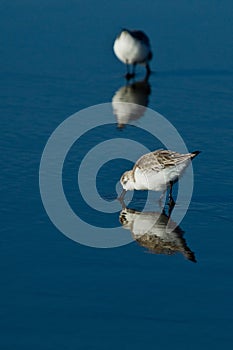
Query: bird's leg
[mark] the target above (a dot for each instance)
(170, 192)
(171, 200)
(128, 74)
(127, 68)
(133, 71)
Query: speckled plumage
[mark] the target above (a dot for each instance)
(156, 170)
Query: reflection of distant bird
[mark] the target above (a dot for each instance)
(137, 97)
(149, 229)
(156, 171)
(133, 47)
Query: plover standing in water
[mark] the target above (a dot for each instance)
(133, 47)
(156, 171)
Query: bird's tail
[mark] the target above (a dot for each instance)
(194, 154)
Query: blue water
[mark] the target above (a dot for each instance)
(56, 59)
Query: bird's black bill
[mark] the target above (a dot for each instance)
(121, 198)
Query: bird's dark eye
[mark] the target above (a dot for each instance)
(124, 182)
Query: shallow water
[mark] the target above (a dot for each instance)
(56, 59)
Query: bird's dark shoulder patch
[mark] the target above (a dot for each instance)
(138, 34)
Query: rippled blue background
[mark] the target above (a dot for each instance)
(56, 58)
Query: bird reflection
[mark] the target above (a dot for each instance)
(136, 95)
(154, 231)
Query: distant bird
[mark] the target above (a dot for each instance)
(156, 171)
(130, 102)
(133, 47)
(156, 232)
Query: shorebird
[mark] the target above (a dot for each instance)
(156, 171)
(133, 47)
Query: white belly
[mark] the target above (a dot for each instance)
(158, 181)
(150, 181)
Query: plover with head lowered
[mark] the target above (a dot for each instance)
(133, 47)
(156, 171)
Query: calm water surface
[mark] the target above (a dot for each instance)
(56, 58)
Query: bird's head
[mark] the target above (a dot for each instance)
(127, 181)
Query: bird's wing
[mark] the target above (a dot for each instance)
(148, 163)
(170, 158)
(138, 34)
(158, 160)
